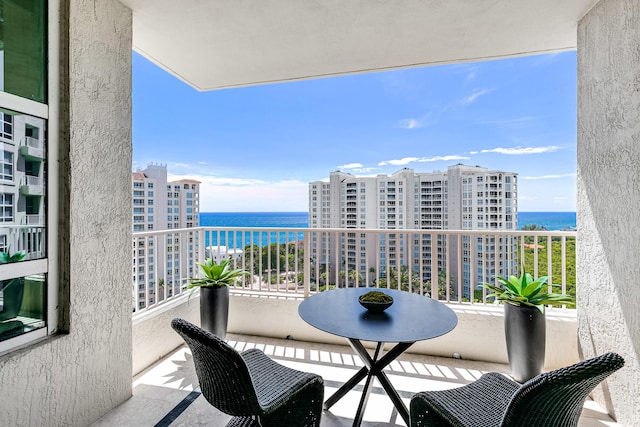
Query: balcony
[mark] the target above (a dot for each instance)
(170, 382)
(283, 276)
(32, 186)
(32, 149)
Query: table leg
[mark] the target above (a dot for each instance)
(357, 420)
(373, 367)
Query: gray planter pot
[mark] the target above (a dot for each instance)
(214, 310)
(525, 332)
(12, 291)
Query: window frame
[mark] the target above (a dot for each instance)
(50, 112)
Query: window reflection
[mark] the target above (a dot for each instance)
(22, 48)
(22, 305)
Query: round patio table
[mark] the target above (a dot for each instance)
(410, 318)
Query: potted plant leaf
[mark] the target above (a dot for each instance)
(524, 320)
(13, 289)
(214, 281)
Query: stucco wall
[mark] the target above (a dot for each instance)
(153, 337)
(608, 198)
(74, 379)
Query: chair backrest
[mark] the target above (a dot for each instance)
(223, 375)
(556, 398)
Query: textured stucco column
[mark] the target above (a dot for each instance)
(74, 378)
(608, 253)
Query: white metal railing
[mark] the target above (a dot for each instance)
(33, 143)
(33, 181)
(448, 265)
(33, 220)
(30, 239)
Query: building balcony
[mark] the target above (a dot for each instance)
(165, 386)
(32, 149)
(32, 186)
(274, 291)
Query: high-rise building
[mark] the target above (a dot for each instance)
(159, 260)
(462, 198)
(22, 184)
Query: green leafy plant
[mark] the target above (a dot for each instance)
(5, 258)
(524, 290)
(216, 275)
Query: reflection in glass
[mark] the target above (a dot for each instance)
(22, 305)
(23, 48)
(22, 186)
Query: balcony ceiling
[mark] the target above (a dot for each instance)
(215, 44)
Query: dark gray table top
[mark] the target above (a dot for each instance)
(410, 318)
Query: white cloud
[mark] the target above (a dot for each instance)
(364, 170)
(218, 181)
(350, 166)
(566, 175)
(407, 160)
(473, 152)
(513, 121)
(415, 123)
(472, 75)
(517, 151)
(399, 162)
(181, 165)
(225, 194)
(475, 95)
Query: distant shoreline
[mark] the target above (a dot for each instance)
(550, 220)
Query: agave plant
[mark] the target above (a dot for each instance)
(524, 290)
(216, 275)
(5, 258)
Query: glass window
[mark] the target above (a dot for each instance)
(23, 48)
(6, 165)
(6, 126)
(24, 289)
(6, 207)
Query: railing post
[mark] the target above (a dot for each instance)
(307, 263)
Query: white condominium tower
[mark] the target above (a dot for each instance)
(159, 258)
(462, 198)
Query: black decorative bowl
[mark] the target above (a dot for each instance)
(377, 306)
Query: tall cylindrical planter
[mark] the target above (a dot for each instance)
(525, 332)
(214, 310)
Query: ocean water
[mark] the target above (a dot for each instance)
(255, 219)
(550, 220)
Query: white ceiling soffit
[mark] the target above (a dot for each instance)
(214, 44)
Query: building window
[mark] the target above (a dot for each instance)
(24, 295)
(6, 207)
(6, 126)
(6, 165)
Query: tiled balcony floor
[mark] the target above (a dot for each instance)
(161, 392)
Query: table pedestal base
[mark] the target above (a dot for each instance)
(373, 366)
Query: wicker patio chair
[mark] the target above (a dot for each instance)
(551, 399)
(250, 386)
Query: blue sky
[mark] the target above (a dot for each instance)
(257, 148)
